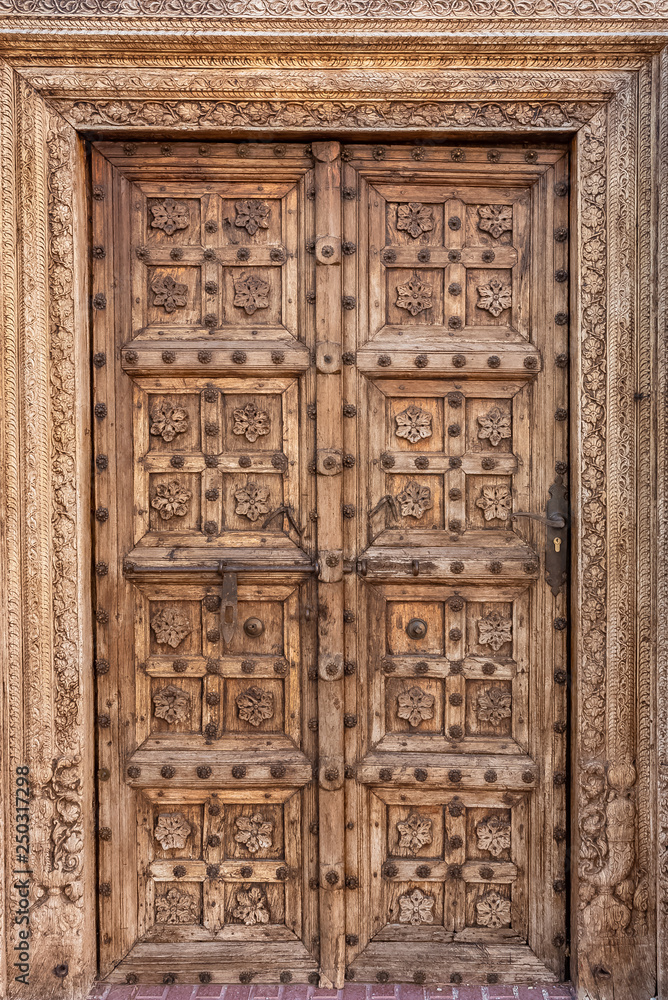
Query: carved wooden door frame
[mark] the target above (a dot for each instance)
(65, 78)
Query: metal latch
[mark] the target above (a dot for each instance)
(556, 521)
(229, 597)
(228, 574)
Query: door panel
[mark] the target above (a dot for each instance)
(330, 671)
(205, 550)
(456, 811)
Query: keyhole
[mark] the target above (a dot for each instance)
(557, 545)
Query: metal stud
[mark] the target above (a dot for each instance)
(416, 628)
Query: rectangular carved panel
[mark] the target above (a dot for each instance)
(205, 555)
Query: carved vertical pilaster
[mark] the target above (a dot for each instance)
(10, 592)
(48, 646)
(661, 391)
(614, 950)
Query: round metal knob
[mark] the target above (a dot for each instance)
(416, 628)
(253, 626)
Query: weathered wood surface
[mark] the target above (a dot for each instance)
(615, 115)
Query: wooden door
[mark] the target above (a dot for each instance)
(456, 817)
(331, 709)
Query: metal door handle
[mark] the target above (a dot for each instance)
(555, 520)
(552, 520)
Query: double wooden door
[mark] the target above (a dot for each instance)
(331, 672)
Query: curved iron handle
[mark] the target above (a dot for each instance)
(557, 521)
(286, 511)
(391, 503)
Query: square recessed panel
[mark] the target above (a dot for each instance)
(447, 261)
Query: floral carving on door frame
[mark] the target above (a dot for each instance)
(167, 421)
(495, 630)
(415, 705)
(171, 703)
(495, 296)
(493, 834)
(171, 499)
(416, 907)
(252, 906)
(252, 501)
(172, 831)
(494, 426)
(414, 295)
(251, 292)
(493, 910)
(251, 422)
(251, 215)
(175, 907)
(495, 219)
(414, 499)
(255, 705)
(170, 626)
(414, 832)
(415, 218)
(413, 424)
(169, 294)
(493, 705)
(170, 215)
(254, 832)
(496, 502)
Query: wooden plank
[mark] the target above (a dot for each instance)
(329, 403)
